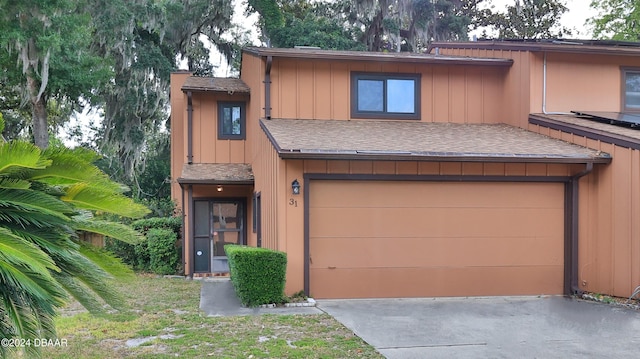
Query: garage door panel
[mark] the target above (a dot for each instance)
(435, 282)
(438, 194)
(407, 239)
(436, 252)
(450, 222)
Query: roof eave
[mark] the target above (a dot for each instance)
(204, 89)
(439, 157)
(497, 45)
(380, 57)
(182, 181)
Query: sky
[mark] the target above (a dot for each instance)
(574, 19)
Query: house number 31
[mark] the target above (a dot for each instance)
(293, 202)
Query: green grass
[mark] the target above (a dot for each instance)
(165, 313)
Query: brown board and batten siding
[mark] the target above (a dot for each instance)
(609, 258)
(207, 148)
(585, 76)
(515, 94)
(310, 85)
(320, 90)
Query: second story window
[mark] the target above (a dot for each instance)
(385, 96)
(231, 120)
(631, 89)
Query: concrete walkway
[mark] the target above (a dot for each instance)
(218, 298)
(497, 327)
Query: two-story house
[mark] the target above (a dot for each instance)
(462, 172)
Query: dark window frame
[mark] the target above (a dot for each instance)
(243, 120)
(623, 88)
(384, 114)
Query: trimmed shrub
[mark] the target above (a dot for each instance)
(163, 256)
(138, 256)
(172, 223)
(257, 274)
(135, 255)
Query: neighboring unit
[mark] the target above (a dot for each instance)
(458, 173)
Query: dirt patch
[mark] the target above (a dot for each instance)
(632, 303)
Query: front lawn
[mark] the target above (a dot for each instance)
(163, 321)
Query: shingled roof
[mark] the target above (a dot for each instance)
(216, 173)
(215, 84)
(423, 141)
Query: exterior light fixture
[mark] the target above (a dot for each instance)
(295, 186)
(219, 188)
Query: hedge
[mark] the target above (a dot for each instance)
(257, 274)
(163, 256)
(139, 255)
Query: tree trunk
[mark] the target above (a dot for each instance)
(38, 114)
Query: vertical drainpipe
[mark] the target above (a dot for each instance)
(184, 240)
(189, 128)
(267, 88)
(572, 286)
(191, 228)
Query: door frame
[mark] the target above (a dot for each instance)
(242, 201)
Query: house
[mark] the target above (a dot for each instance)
(462, 172)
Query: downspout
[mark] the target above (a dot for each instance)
(191, 229)
(572, 274)
(544, 90)
(189, 128)
(184, 242)
(267, 88)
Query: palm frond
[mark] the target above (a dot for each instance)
(84, 196)
(19, 156)
(84, 280)
(107, 261)
(51, 240)
(37, 285)
(115, 230)
(71, 166)
(34, 202)
(14, 183)
(15, 250)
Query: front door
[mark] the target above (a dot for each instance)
(216, 222)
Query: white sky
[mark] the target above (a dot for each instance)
(574, 19)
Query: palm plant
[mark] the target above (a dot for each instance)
(45, 197)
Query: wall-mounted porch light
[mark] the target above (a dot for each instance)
(219, 188)
(295, 186)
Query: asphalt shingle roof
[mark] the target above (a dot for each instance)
(216, 173)
(411, 140)
(215, 84)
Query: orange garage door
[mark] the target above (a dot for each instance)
(375, 239)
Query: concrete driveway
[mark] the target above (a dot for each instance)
(496, 327)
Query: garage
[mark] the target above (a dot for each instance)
(377, 239)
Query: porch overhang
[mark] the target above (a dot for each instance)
(216, 174)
